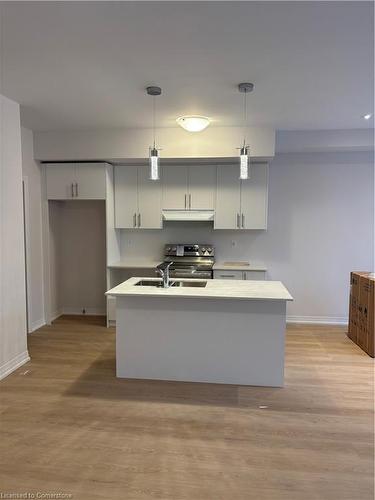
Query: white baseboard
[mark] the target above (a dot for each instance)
(318, 320)
(90, 311)
(37, 324)
(11, 365)
(56, 314)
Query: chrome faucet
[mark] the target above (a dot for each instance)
(163, 270)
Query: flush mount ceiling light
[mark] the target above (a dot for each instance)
(368, 116)
(153, 151)
(193, 123)
(245, 88)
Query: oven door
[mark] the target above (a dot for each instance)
(190, 272)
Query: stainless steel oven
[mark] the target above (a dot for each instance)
(190, 261)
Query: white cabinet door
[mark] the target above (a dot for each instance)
(149, 201)
(174, 187)
(111, 308)
(254, 198)
(202, 187)
(90, 179)
(228, 275)
(60, 179)
(227, 209)
(126, 197)
(255, 275)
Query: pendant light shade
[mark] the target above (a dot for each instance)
(154, 164)
(244, 162)
(153, 151)
(245, 149)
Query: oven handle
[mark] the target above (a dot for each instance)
(191, 274)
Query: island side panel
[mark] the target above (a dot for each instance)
(201, 340)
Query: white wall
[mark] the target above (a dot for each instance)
(77, 245)
(13, 338)
(31, 172)
(54, 253)
(324, 141)
(320, 227)
(133, 143)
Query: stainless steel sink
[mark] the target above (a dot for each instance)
(188, 284)
(159, 284)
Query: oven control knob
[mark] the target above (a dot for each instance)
(203, 249)
(168, 249)
(209, 250)
(174, 249)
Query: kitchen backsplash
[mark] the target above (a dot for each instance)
(229, 245)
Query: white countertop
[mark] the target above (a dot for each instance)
(221, 265)
(135, 264)
(215, 289)
(151, 264)
(237, 266)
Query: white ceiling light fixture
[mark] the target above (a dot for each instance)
(245, 88)
(368, 116)
(153, 150)
(193, 123)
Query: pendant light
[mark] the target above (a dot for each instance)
(245, 149)
(153, 151)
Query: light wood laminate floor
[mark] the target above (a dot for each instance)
(69, 426)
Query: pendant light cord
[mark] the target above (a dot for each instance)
(153, 118)
(244, 118)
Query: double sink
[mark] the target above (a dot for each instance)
(172, 284)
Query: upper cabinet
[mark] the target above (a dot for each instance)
(79, 181)
(242, 204)
(90, 179)
(126, 197)
(202, 187)
(228, 198)
(188, 188)
(137, 199)
(254, 198)
(175, 188)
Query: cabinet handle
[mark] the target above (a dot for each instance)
(139, 220)
(227, 276)
(185, 201)
(77, 189)
(238, 220)
(243, 220)
(134, 220)
(189, 200)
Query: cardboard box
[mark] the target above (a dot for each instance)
(361, 310)
(366, 313)
(354, 284)
(353, 318)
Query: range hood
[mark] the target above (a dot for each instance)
(188, 215)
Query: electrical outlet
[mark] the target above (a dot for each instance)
(83, 311)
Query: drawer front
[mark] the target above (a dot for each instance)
(255, 275)
(228, 275)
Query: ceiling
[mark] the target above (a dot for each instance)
(85, 65)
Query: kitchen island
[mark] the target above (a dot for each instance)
(219, 331)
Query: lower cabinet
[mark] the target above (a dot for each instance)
(111, 309)
(239, 275)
